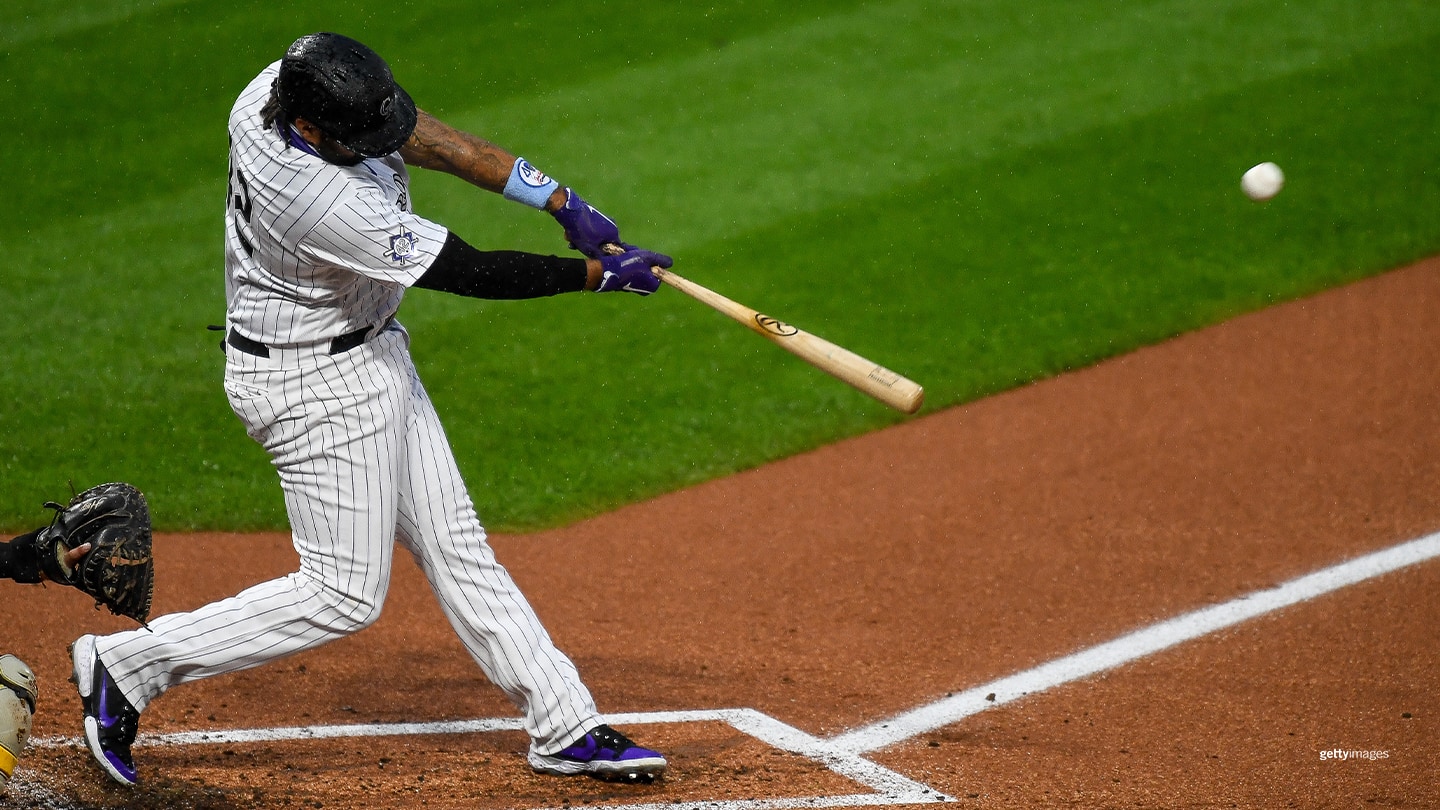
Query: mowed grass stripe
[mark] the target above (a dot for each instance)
(976, 269)
(855, 104)
(1050, 258)
(101, 115)
(27, 21)
(990, 276)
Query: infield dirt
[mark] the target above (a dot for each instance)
(836, 588)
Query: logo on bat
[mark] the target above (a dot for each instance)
(884, 376)
(775, 327)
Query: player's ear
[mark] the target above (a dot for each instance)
(309, 132)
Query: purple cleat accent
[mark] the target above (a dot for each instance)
(110, 720)
(603, 753)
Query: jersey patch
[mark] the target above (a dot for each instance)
(402, 247)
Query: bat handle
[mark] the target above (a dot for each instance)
(612, 249)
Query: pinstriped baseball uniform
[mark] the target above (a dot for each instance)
(316, 252)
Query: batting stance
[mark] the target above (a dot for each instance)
(320, 246)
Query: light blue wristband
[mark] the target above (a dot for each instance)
(529, 185)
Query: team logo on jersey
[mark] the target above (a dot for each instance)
(402, 247)
(402, 196)
(531, 176)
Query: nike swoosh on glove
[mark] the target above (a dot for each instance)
(630, 271)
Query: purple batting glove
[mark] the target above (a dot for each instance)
(587, 229)
(630, 271)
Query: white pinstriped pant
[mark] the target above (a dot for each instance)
(363, 462)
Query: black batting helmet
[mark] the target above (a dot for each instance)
(346, 90)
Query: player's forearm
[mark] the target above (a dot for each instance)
(461, 269)
(440, 147)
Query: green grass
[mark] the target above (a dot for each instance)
(976, 194)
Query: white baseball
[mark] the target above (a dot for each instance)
(1262, 181)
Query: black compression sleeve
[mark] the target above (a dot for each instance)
(18, 560)
(463, 270)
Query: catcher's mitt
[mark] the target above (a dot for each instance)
(119, 570)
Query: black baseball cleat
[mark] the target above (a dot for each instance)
(603, 753)
(110, 720)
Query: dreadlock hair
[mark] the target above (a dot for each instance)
(272, 114)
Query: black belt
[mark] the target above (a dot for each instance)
(339, 345)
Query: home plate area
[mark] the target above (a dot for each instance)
(724, 759)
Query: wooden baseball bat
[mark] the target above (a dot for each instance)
(871, 378)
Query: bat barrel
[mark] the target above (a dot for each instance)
(848, 367)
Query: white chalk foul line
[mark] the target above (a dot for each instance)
(261, 735)
(890, 788)
(1133, 646)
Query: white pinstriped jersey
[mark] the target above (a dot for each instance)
(314, 250)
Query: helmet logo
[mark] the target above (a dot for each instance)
(387, 105)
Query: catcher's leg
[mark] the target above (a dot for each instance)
(18, 693)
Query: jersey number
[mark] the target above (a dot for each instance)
(239, 192)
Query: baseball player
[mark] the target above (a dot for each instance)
(20, 561)
(321, 244)
(18, 693)
(111, 519)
